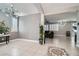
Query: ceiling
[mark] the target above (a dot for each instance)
(61, 16)
(55, 8)
(52, 11)
(27, 8)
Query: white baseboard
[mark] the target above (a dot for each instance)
(29, 40)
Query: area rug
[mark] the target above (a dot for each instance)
(56, 51)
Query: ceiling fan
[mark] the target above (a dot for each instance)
(11, 11)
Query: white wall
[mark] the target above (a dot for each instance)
(62, 29)
(29, 27)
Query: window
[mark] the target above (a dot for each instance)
(55, 27)
(46, 27)
(52, 27)
(14, 24)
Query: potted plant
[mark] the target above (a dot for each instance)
(41, 39)
(3, 28)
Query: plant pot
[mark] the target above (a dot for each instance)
(41, 42)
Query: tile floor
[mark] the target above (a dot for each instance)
(21, 47)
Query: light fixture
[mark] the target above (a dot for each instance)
(11, 11)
